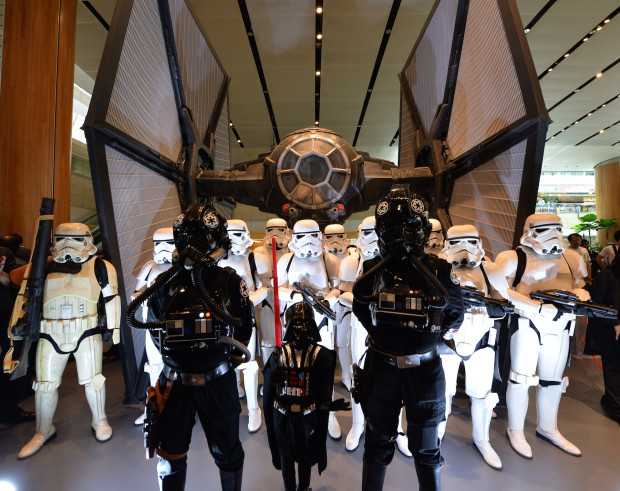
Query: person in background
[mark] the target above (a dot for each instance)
(606, 334)
(574, 241)
(607, 255)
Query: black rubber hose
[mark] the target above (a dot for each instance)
(245, 352)
(218, 311)
(366, 299)
(133, 307)
(432, 280)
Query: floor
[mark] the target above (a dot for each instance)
(76, 461)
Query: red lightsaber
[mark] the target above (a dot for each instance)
(276, 297)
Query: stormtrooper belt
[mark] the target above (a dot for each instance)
(199, 379)
(406, 361)
(293, 408)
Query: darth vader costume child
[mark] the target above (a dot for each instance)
(297, 398)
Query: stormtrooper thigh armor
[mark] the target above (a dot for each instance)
(343, 342)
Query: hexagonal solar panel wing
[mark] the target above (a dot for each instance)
(472, 110)
(159, 112)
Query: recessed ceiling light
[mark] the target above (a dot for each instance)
(526, 30)
(603, 105)
(317, 73)
(577, 122)
(605, 21)
(599, 74)
(599, 28)
(238, 141)
(585, 39)
(566, 55)
(602, 131)
(319, 36)
(550, 70)
(563, 129)
(231, 124)
(316, 123)
(319, 10)
(589, 114)
(552, 137)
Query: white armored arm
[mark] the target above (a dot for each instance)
(112, 303)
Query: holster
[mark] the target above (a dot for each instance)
(359, 388)
(155, 402)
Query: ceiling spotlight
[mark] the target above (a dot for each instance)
(599, 28)
(606, 21)
(319, 10)
(319, 36)
(599, 74)
(550, 70)
(552, 137)
(566, 55)
(238, 141)
(603, 105)
(585, 39)
(231, 125)
(316, 123)
(589, 114)
(602, 131)
(563, 129)
(576, 122)
(526, 30)
(318, 73)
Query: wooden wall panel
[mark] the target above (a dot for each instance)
(606, 190)
(36, 103)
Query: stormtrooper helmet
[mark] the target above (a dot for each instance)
(367, 239)
(163, 245)
(301, 328)
(277, 227)
(307, 239)
(73, 242)
(435, 240)
(335, 239)
(543, 233)
(463, 246)
(239, 236)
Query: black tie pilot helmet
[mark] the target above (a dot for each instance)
(301, 329)
(199, 231)
(402, 223)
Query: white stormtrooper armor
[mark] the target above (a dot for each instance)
(275, 227)
(256, 275)
(350, 270)
(435, 239)
(309, 266)
(70, 325)
(476, 338)
(539, 348)
(335, 240)
(163, 248)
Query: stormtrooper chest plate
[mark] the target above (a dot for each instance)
(309, 271)
(241, 265)
(545, 273)
(70, 296)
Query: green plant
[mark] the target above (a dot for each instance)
(590, 222)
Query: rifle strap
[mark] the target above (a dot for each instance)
(252, 261)
(521, 263)
(486, 280)
(290, 261)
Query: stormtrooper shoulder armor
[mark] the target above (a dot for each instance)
(348, 268)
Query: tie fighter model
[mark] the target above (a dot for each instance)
(472, 127)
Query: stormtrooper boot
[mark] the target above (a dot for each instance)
(240, 388)
(139, 421)
(344, 355)
(547, 403)
(95, 395)
(402, 442)
(333, 428)
(250, 378)
(357, 428)
(516, 401)
(481, 419)
(45, 407)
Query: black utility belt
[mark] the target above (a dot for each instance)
(294, 408)
(406, 361)
(199, 379)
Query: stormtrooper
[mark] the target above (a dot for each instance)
(254, 270)
(275, 227)
(299, 379)
(204, 322)
(310, 266)
(163, 248)
(475, 341)
(80, 301)
(435, 239)
(407, 301)
(336, 243)
(335, 240)
(350, 271)
(539, 348)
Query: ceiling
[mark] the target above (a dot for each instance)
(284, 31)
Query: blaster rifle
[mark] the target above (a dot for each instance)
(495, 308)
(569, 303)
(312, 297)
(26, 317)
